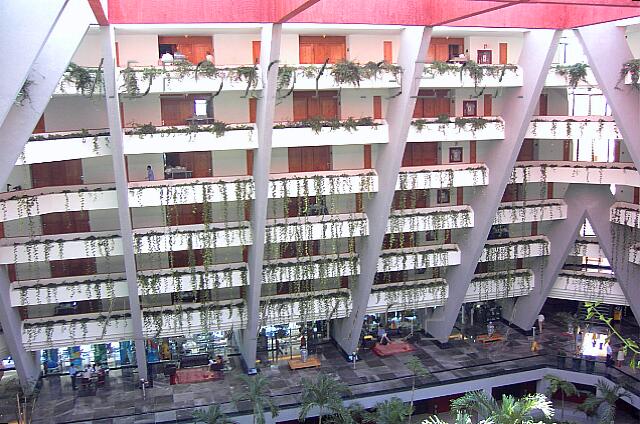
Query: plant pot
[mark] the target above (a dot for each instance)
(577, 364)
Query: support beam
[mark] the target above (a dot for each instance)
(414, 42)
(122, 193)
(304, 6)
(269, 54)
(98, 12)
(24, 28)
(562, 235)
(49, 67)
(537, 52)
(27, 366)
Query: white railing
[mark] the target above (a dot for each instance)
(499, 285)
(565, 128)
(624, 213)
(588, 287)
(310, 268)
(430, 130)
(515, 248)
(402, 296)
(575, 172)
(530, 211)
(442, 176)
(428, 219)
(419, 257)
(322, 183)
(321, 227)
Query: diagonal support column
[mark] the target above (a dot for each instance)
(537, 52)
(269, 56)
(49, 67)
(122, 194)
(24, 28)
(606, 48)
(414, 43)
(562, 236)
(26, 365)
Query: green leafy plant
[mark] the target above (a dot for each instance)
(574, 74)
(566, 388)
(257, 392)
(632, 68)
(23, 95)
(346, 72)
(212, 415)
(392, 411)
(417, 370)
(628, 345)
(510, 411)
(325, 393)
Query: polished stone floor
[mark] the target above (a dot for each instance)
(121, 402)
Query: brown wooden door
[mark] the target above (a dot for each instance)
(309, 159)
(318, 49)
(255, 45)
(388, 52)
(184, 258)
(543, 111)
(566, 150)
(377, 107)
(199, 163)
(73, 267)
(306, 105)
(420, 154)
(185, 214)
(472, 151)
(195, 48)
(54, 174)
(367, 156)
(306, 248)
(410, 199)
(503, 53)
(65, 222)
(488, 105)
(432, 103)
(512, 193)
(176, 110)
(526, 151)
(440, 49)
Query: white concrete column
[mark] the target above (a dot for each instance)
(269, 55)
(414, 42)
(24, 28)
(49, 66)
(27, 366)
(537, 52)
(122, 192)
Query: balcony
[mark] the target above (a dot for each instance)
(442, 176)
(351, 132)
(407, 295)
(177, 280)
(188, 319)
(462, 129)
(428, 219)
(515, 248)
(588, 287)
(446, 75)
(419, 257)
(565, 128)
(500, 285)
(587, 247)
(634, 254)
(624, 213)
(322, 227)
(322, 183)
(45, 333)
(186, 237)
(311, 268)
(51, 147)
(570, 172)
(285, 309)
(306, 78)
(530, 211)
(554, 79)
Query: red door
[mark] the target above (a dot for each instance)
(199, 163)
(256, 51)
(318, 49)
(544, 105)
(309, 159)
(388, 52)
(306, 105)
(185, 214)
(488, 103)
(73, 267)
(54, 174)
(65, 222)
(503, 53)
(420, 154)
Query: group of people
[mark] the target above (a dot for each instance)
(167, 58)
(86, 375)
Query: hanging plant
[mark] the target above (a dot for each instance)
(23, 95)
(632, 68)
(346, 72)
(574, 74)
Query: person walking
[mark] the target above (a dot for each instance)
(540, 321)
(73, 372)
(150, 175)
(620, 357)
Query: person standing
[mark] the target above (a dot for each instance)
(620, 357)
(150, 175)
(540, 321)
(73, 372)
(609, 360)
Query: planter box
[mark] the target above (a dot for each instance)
(588, 287)
(442, 176)
(515, 248)
(434, 132)
(576, 173)
(221, 316)
(530, 211)
(298, 137)
(431, 79)
(311, 268)
(500, 285)
(418, 258)
(625, 214)
(322, 183)
(320, 227)
(407, 295)
(427, 219)
(181, 192)
(578, 127)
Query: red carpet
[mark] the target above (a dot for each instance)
(197, 375)
(392, 348)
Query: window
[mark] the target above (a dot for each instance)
(201, 107)
(455, 154)
(469, 108)
(484, 57)
(444, 196)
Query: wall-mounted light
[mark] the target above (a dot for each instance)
(485, 46)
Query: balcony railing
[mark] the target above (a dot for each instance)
(564, 128)
(285, 309)
(515, 248)
(419, 257)
(402, 296)
(322, 227)
(500, 285)
(575, 172)
(428, 219)
(445, 75)
(433, 130)
(588, 287)
(310, 268)
(624, 213)
(442, 176)
(322, 183)
(530, 211)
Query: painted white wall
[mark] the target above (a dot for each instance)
(279, 160)
(73, 113)
(230, 107)
(142, 110)
(89, 51)
(229, 162)
(138, 166)
(557, 102)
(443, 150)
(364, 48)
(357, 102)
(141, 48)
(233, 49)
(633, 39)
(97, 170)
(478, 42)
(290, 49)
(550, 149)
(347, 157)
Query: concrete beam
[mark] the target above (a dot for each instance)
(24, 28)
(414, 42)
(49, 66)
(537, 52)
(269, 56)
(122, 193)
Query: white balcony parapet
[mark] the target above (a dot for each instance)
(305, 79)
(555, 79)
(452, 76)
(68, 289)
(565, 128)
(588, 287)
(322, 183)
(419, 257)
(41, 201)
(442, 176)
(186, 237)
(587, 247)
(576, 172)
(407, 295)
(530, 211)
(51, 332)
(321, 305)
(52, 147)
(634, 254)
(431, 130)
(192, 278)
(310, 268)
(326, 136)
(429, 219)
(321, 227)
(199, 190)
(499, 285)
(624, 213)
(515, 248)
(188, 319)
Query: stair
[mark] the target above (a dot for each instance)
(604, 309)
